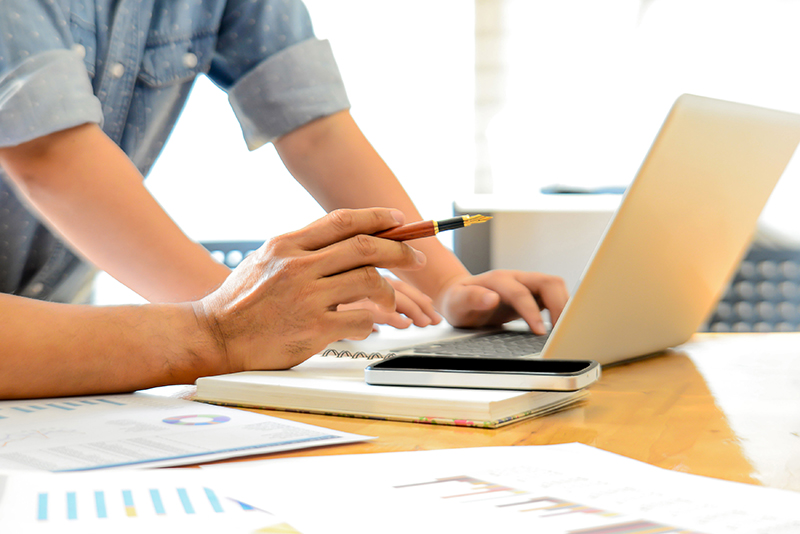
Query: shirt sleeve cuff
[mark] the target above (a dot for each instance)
(289, 89)
(47, 93)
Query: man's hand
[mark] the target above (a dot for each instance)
(280, 305)
(496, 297)
(413, 307)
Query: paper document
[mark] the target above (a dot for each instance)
(78, 433)
(554, 489)
(135, 501)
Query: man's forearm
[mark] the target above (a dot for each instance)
(92, 194)
(58, 350)
(333, 160)
(276, 309)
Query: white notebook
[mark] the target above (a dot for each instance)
(334, 385)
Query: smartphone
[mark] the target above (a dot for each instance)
(483, 373)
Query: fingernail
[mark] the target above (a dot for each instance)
(538, 328)
(421, 258)
(398, 216)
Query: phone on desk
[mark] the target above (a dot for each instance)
(483, 373)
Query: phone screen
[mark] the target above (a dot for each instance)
(484, 365)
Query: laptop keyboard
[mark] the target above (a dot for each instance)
(499, 344)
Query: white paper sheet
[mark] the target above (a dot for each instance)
(557, 489)
(138, 429)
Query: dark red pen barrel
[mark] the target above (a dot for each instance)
(409, 231)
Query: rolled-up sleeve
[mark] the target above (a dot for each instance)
(46, 93)
(287, 90)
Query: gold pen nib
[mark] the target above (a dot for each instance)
(475, 219)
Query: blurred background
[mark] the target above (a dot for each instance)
(492, 97)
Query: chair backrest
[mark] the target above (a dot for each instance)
(231, 253)
(764, 295)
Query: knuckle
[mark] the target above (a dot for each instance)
(277, 246)
(519, 293)
(365, 245)
(409, 255)
(342, 219)
(552, 282)
(371, 278)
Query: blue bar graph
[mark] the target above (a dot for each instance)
(212, 498)
(77, 503)
(41, 513)
(155, 496)
(127, 498)
(115, 403)
(100, 504)
(187, 504)
(72, 506)
(52, 405)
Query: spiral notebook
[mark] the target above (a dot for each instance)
(332, 383)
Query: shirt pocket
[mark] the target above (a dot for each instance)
(176, 61)
(84, 39)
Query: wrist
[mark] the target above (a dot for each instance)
(207, 342)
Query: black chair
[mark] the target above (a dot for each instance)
(764, 295)
(231, 253)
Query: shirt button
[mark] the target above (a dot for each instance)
(117, 70)
(189, 60)
(36, 288)
(80, 50)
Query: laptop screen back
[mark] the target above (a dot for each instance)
(681, 229)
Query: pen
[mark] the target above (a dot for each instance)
(420, 229)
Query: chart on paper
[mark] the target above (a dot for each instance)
(127, 500)
(552, 489)
(79, 433)
(560, 515)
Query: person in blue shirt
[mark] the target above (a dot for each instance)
(91, 89)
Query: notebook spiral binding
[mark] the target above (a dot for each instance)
(359, 354)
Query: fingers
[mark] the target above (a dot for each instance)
(356, 285)
(498, 296)
(414, 304)
(379, 315)
(518, 290)
(340, 225)
(362, 250)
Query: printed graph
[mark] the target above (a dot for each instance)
(571, 517)
(19, 409)
(196, 420)
(36, 434)
(142, 502)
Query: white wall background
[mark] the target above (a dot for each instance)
(408, 68)
(587, 85)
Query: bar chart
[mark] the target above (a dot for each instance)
(488, 497)
(128, 501)
(143, 502)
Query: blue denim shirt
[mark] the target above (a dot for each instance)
(129, 65)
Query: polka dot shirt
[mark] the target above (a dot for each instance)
(129, 65)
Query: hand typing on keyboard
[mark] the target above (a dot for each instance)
(497, 297)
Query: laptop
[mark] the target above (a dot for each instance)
(682, 228)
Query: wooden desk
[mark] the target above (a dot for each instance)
(724, 406)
